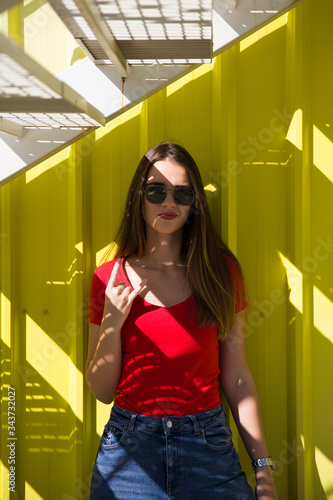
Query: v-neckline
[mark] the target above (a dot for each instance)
(144, 300)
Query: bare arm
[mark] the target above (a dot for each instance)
(103, 366)
(104, 362)
(238, 387)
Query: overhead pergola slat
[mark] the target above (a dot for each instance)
(91, 15)
(173, 49)
(27, 87)
(116, 31)
(11, 128)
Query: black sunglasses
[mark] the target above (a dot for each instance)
(181, 195)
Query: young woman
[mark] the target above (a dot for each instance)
(166, 330)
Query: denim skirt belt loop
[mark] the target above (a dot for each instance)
(168, 458)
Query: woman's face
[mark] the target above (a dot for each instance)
(166, 217)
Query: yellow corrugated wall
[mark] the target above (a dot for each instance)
(259, 122)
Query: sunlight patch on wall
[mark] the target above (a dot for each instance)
(211, 188)
(64, 283)
(323, 313)
(102, 416)
(325, 472)
(295, 282)
(119, 120)
(5, 319)
(55, 366)
(79, 247)
(45, 165)
(30, 493)
(100, 255)
(301, 436)
(323, 153)
(4, 23)
(266, 30)
(181, 82)
(295, 130)
(4, 493)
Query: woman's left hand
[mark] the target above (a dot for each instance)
(265, 488)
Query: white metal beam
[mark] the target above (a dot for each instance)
(91, 14)
(232, 4)
(11, 128)
(46, 93)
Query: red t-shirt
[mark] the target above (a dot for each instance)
(170, 365)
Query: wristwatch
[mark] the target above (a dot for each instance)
(262, 462)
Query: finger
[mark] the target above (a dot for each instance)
(127, 291)
(137, 290)
(120, 287)
(114, 274)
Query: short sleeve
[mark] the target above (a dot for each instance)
(237, 280)
(98, 286)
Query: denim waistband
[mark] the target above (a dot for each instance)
(167, 424)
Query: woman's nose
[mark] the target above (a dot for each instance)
(169, 199)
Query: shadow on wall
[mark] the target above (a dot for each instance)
(49, 438)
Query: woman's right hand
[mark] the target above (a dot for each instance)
(119, 299)
(104, 353)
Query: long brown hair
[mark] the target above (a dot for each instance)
(202, 249)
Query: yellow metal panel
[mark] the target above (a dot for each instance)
(266, 30)
(320, 265)
(311, 248)
(46, 38)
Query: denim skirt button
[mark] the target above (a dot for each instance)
(169, 423)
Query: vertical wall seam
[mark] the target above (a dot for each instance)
(294, 468)
(307, 141)
(88, 266)
(232, 146)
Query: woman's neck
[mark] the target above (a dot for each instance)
(163, 250)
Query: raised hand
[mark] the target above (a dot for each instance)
(119, 298)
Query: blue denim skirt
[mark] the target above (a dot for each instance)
(168, 458)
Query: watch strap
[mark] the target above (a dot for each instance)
(263, 462)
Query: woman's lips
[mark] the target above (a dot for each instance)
(167, 215)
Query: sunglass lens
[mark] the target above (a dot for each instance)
(155, 194)
(184, 196)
